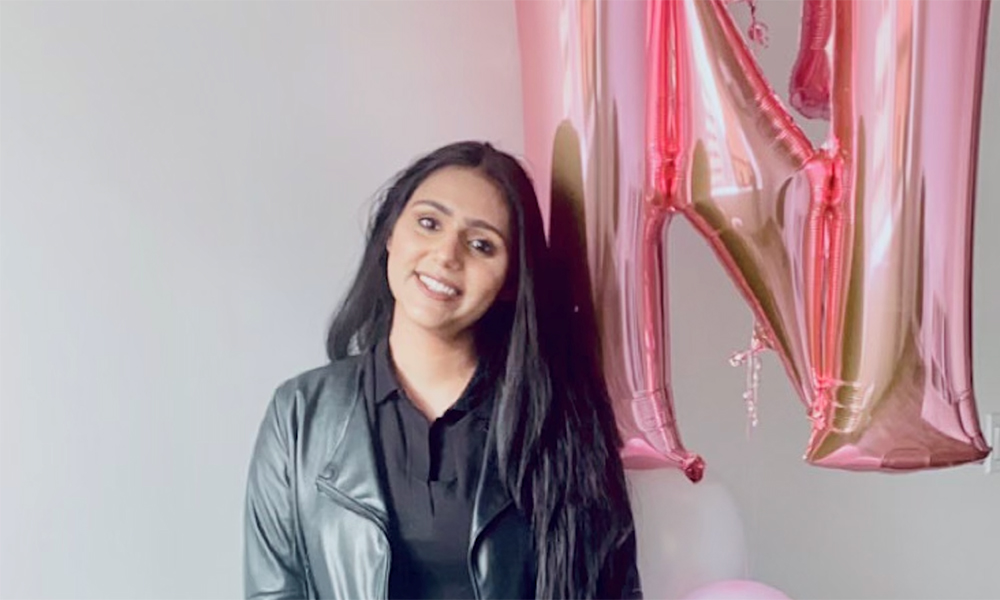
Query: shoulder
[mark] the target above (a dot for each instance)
(301, 425)
(314, 381)
(330, 387)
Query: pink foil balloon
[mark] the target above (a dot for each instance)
(809, 87)
(724, 153)
(893, 303)
(855, 258)
(736, 589)
(585, 90)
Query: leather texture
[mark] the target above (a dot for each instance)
(315, 518)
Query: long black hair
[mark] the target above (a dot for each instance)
(553, 429)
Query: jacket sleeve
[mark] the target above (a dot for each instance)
(272, 568)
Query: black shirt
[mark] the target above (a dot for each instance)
(429, 472)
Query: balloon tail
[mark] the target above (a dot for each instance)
(757, 31)
(751, 358)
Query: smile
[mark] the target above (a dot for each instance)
(436, 286)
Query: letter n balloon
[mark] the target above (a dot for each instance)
(854, 257)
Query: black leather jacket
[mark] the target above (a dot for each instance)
(315, 521)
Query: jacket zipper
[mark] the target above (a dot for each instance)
(364, 512)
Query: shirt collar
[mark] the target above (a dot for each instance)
(387, 385)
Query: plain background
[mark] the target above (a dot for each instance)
(183, 190)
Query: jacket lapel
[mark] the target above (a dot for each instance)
(352, 469)
(491, 497)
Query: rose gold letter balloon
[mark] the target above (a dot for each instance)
(585, 91)
(855, 258)
(809, 88)
(894, 338)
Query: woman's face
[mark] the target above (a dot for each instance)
(449, 253)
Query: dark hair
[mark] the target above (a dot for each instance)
(552, 425)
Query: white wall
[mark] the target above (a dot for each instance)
(183, 191)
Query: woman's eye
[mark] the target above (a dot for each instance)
(483, 246)
(427, 223)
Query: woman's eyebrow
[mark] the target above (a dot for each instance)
(478, 223)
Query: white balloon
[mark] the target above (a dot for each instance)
(688, 534)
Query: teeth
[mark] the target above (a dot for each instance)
(437, 286)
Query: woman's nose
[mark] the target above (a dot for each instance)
(449, 251)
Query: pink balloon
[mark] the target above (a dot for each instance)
(809, 87)
(725, 154)
(585, 89)
(736, 589)
(855, 258)
(890, 306)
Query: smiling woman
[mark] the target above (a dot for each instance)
(448, 258)
(454, 447)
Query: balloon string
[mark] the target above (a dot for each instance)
(750, 357)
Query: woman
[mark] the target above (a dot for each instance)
(455, 446)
